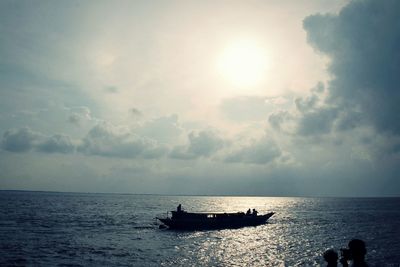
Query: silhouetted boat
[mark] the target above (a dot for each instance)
(198, 221)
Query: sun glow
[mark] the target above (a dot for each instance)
(243, 63)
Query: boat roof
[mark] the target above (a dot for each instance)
(208, 212)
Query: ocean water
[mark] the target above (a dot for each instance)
(73, 229)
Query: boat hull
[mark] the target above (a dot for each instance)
(215, 223)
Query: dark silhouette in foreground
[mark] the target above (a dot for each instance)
(355, 253)
(248, 212)
(331, 257)
(255, 212)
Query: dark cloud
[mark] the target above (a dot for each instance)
(261, 152)
(20, 140)
(348, 120)
(317, 122)
(201, 144)
(315, 117)
(109, 141)
(312, 115)
(24, 140)
(363, 42)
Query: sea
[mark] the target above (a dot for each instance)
(84, 229)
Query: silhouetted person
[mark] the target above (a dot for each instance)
(248, 212)
(179, 208)
(255, 212)
(356, 253)
(331, 257)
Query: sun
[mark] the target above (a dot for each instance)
(243, 63)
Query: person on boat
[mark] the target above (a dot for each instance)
(179, 208)
(357, 252)
(255, 212)
(248, 212)
(331, 257)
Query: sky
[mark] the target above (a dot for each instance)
(274, 98)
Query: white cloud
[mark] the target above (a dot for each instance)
(165, 129)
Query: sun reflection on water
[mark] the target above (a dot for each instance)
(297, 235)
(250, 246)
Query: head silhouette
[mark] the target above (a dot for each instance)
(357, 249)
(330, 256)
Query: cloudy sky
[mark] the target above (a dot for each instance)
(280, 98)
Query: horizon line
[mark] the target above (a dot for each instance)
(190, 195)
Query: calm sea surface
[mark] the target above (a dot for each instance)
(71, 229)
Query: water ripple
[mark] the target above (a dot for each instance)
(119, 230)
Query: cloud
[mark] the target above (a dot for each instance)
(204, 143)
(317, 122)
(56, 144)
(74, 119)
(347, 120)
(24, 140)
(307, 104)
(313, 116)
(280, 120)
(262, 151)
(102, 140)
(79, 114)
(107, 140)
(164, 129)
(20, 140)
(363, 42)
(201, 144)
(110, 141)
